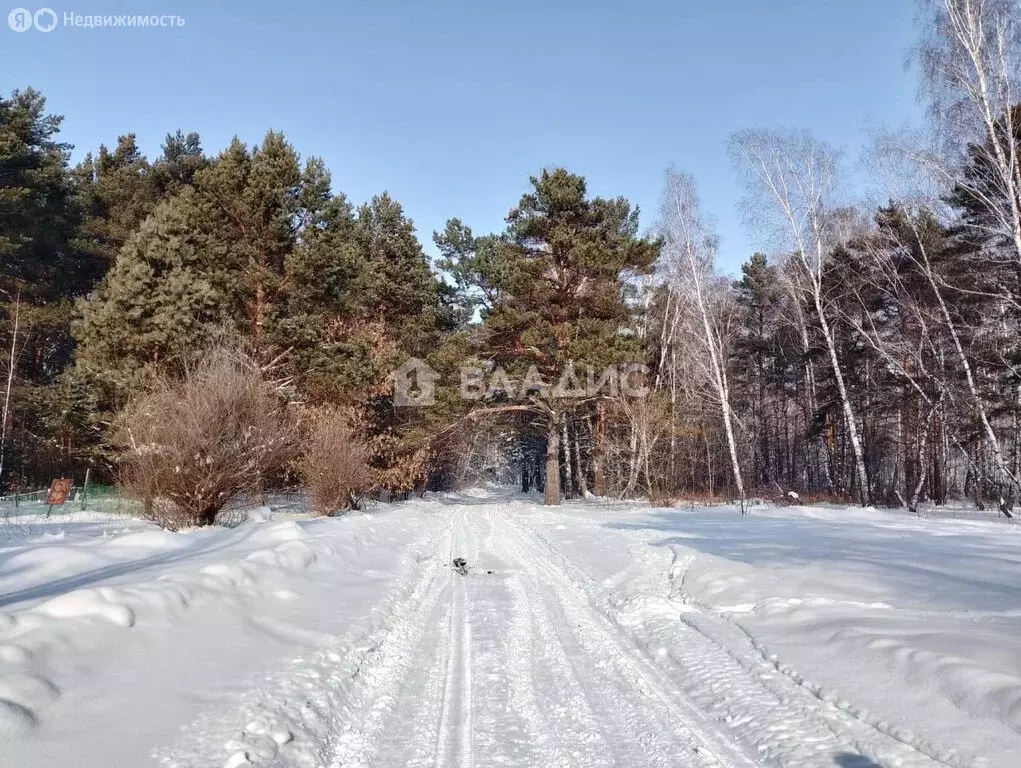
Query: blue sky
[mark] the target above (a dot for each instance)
(451, 106)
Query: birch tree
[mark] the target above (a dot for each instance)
(971, 60)
(915, 177)
(689, 253)
(791, 180)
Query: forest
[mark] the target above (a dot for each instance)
(206, 323)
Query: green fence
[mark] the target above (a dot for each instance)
(97, 498)
(31, 506)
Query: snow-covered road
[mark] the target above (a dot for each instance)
(595, 635)
(514, 666)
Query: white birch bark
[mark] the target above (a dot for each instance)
(790, 177)
(690, 251)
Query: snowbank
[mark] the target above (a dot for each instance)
(113, 628)
(905, 624)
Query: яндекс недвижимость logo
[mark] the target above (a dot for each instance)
(22, 20)
(46, 20)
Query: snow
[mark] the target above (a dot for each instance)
(600, 633)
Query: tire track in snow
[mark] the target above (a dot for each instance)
(640, 732)
(564, 729)
(624, 687)
(852, 724)
(377, 681)
(454, 735)
(507, 724)
(421, 694)
(788, 723)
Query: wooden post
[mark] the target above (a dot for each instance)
(85, 487)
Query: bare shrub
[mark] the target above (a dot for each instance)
(334, 463)
(193, 443)
(660, 497)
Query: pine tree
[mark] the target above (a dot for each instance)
(333, 353)
(164, 298)
(182, 158)
(559, 279)
(755, 357)
(249, 202)
(42, 269)
(116, 192)
(396, 284)
(209, 260)
(475, 264)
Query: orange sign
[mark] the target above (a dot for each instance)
(59, 490)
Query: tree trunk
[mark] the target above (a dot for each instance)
(845, 400)
(732, 446)
(569, 488)
(600, 434)
(552, 491)
(714, 346)
(969, 377)
(10, 380)
(260, 490)
(922, 467)
(633, 466)
(823, 452)
(579, 466)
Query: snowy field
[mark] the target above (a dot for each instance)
(599, 634)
